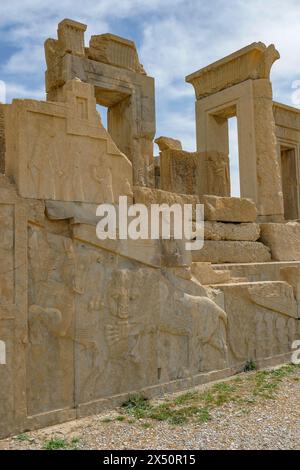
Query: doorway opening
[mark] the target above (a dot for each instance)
(289, 182)
(102, 110)
(234, 169)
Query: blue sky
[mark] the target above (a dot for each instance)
(174, 38)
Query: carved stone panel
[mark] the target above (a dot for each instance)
(50, 357)
(61, 151)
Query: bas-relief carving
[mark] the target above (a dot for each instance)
(125, 341)
(199, 322)
(180, 171)
(102, 174)
(279, 298)
(251, 62)
(71, 178)
(258, 319)
(218, 178)
(50, 319)
(121, 349)
(63, 156)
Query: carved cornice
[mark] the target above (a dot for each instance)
(251, 62)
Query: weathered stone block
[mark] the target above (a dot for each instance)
(221, 231)
(73, 129)
(253, 61)
(232, 252)
(283, 240)
(79, 212)
(205, 274)
(180, 171)
(149, 196)
(114, 50)
(266, 312)
(165, 143)
(228, 209)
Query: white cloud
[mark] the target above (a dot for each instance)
(28, 60)
(15, 90)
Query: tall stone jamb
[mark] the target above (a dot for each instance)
(239, 85)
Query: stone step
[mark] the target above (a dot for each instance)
(231, 231)
(283, 240)
(256, 272)
(232, 252)
(228, 209)
(207, 276)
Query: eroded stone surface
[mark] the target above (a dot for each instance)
(149, 196)
(271, 331)
(228, 209)
(205, 274)
(180, 171)
(165, 143)
(229, 231)
(111, 65)
(85, 322)
(283, 240)
(232, 252)
(73, 129)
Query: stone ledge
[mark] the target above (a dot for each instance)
(229, 231)
(228, 209)
(232, 252)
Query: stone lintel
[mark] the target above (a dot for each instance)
(251, 62)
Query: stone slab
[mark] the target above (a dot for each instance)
(165, 143)
(153, 253)
(229, 231)
(79, 212)
(283, 240)
(266, 312)
(232, 252)
(205, 274)
(270, 271)
(228, 209)
(149, 196)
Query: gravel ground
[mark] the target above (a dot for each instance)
(265, 424)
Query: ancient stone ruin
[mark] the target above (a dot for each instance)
(85, 322)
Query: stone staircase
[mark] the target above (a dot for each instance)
(252, 271)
